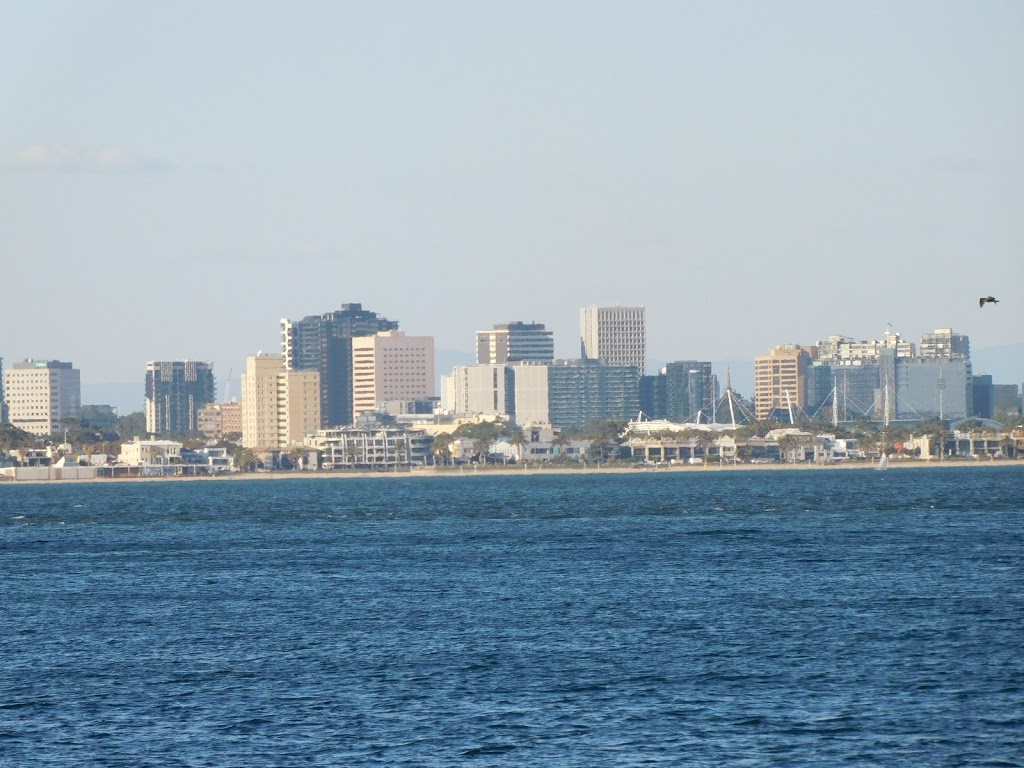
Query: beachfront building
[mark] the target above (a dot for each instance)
(371, 447)
(150, 453)
(279, 406)
(42, 394)
(515, 342)
(323, 343)
(175, 392)
(616, 335)
(390, 366)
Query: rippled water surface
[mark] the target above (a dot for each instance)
(698, 618)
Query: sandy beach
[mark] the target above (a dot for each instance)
(535, 470)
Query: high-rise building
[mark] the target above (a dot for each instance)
(852, 387)
(946, 346)
(175, 391)
(218, 420)
(324, 343)
(930, 387)
(1005, 401)
(943, 344)
(690, 389)
(981, 396)
(279, 407)
(486, 389)
(779, 379)
(3, 401)
(616, 335)
(516, 342)
(41, 394)
(390, 366)
(654, 396)
(573, 393)
(845, 351)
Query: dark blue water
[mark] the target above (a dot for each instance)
(700, 618)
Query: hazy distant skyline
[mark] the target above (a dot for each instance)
(177, 177)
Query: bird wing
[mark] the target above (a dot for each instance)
(981, 302)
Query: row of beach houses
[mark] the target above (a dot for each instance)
(389, 447)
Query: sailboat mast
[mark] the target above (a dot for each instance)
(835, 402)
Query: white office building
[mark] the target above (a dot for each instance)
(41, 394)
(617, 335)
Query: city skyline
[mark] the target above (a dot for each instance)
(752, 174)
(934, 344)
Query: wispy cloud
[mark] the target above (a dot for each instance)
(67, 158)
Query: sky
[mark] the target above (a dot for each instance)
(176, 177)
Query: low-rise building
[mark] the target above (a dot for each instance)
(150, 453)
(374, 447)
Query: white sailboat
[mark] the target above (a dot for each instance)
(883, 460)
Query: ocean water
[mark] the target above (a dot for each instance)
(780, 618)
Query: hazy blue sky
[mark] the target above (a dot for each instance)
(175, 177)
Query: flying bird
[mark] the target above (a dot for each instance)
(987, 300)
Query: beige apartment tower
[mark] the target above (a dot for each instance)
(780, 379)
(390, 366)
(617, 335)
(217, 420)
(40, 394)
(279, 407)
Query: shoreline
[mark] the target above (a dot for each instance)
(533, 471)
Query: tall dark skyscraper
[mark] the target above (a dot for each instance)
(175, 391)
(324, 343)
(690, 388)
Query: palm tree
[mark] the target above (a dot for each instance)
(401, 452)
(1005, 445)
(787, 446)
(936, 431)
(349, 453)
(482, 448)
(518, 440)
(442, 447)
(560, 441)
(706, 439)
(245, 459)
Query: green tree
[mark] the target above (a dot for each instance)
(936, 431)
(787, 446)
(12, 438)
(442, 448)
(132, 425)
(706, 440)
(482, 448)
(245, 460)
(296, 456)
(560, 441)
(518, 441)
